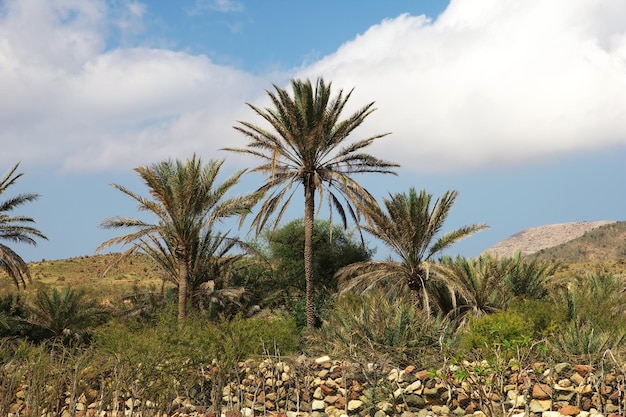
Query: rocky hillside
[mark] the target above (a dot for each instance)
(567, 242)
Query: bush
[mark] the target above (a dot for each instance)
(504, 328)
(373, 328)
(544, 317)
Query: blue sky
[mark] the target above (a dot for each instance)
(521, 106)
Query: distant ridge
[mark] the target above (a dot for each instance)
(541, 238)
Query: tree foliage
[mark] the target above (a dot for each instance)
(308, 146)
(411, 227)
(15, 229)
(188, 203)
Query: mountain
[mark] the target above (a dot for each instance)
(567, 242)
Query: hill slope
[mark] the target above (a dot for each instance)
(541, 238)
(601, 244)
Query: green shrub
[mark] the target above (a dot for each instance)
(504, 328)
(544, 316)
(373, 328)
(581, 340)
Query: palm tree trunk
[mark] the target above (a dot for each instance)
(182, 284)
(309, 213)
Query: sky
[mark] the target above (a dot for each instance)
(518, 105)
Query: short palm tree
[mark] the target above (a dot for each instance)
(411, 228)
(308, 146)
(479, 283)
(15, 229)
(187, 202)
(65, 313)
(531, 279)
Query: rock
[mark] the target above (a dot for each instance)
(415, 401)
(393, 376)
(354, 405)
(322, 359)
(564, 383)
(586, 404)
(422, 375)
(541, 391)
(569, 410)
(413, 387)
(561, 368)
(458, 411)
(583, 370)
(317, 405)
(331, 399)
(326, 390)
(440, 410)
(551, 414)
(516, 399)
(539, 406)
(380, 413)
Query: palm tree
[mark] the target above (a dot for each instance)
(531, 279)
(411, 228)
(187, 202)
(308, 146)
(65, 313)
(479, 283)
(212, 263)
(15, 229)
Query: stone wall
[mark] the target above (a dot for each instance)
(324, 387)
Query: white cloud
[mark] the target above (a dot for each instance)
(491, 81)
(81, 107)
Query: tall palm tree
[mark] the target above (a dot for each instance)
(187, 201)
(308, 146)
(411, 228)
(15, 229)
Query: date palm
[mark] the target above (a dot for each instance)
(187, 202)
(479, 283)
(213, 261)
(308, 146)
(65, 313)
(15, 229)
(411, 228)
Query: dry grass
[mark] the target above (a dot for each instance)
(88, 272)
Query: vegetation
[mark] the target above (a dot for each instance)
(15, 229)
(66, 315)
(125, 337)
(309, 146)
(187, 203)
(411, 228)
(333, 247)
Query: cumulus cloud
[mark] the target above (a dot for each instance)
(491, 81)
(487, 82)
(71, 103)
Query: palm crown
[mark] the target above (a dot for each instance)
(411, 227)
(15, 229)
(187, 202)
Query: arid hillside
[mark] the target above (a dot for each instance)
(542, 238)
